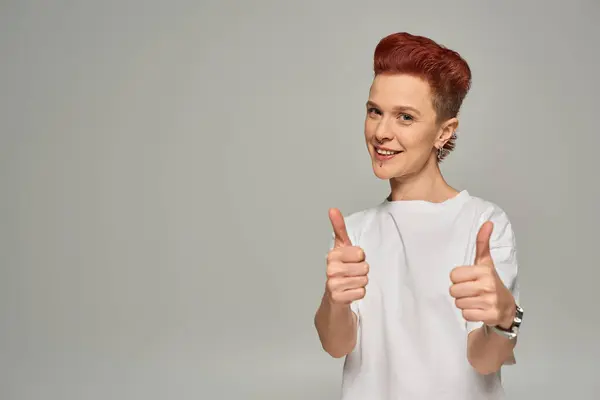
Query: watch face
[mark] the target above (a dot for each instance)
(518, 317)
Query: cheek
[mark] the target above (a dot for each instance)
(416, 140)
(370, 128)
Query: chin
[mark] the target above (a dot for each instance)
(385, 172)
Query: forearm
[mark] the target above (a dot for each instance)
(488, 351)
(336, 326)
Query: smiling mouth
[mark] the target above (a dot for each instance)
(383, 152)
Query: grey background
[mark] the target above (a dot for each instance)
(166, 170)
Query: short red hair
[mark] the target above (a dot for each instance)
(447, 73)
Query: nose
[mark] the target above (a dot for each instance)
(383, 133)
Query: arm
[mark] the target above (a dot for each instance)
(337, 327)
(487, 293)
(336, 322)
(487, 351)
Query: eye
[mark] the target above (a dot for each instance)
(405, 117)
(373, 111)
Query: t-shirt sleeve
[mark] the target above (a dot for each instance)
(504, 253)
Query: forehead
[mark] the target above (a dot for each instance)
(389, 91)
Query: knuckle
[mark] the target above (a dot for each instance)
(332, 269)
(332, 256)
(455, 275)
(366, 268)
(331, 285)
(328, 286)
(359, 282)
(452, 291)
(468, 315)
(488, 286)
(335, 297)
(359, 253)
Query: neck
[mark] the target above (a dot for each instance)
(427, 184)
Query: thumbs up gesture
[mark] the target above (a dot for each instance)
(346, 267)
(478, 290)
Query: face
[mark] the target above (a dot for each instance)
(401, 129)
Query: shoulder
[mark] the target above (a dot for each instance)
(358, 221)
(487, 210)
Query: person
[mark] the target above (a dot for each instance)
(421, 294)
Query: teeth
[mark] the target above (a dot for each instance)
(386, 152)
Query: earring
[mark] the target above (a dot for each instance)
(441, 151)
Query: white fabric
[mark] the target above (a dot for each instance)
(412, 339)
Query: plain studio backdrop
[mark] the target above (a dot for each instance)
(166, 169)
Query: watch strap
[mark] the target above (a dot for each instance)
(513, 331)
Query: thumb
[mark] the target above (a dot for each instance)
(339, 228)
(482, 252)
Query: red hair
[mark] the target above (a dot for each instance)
(447, 73)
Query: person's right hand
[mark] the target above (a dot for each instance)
(346, 267)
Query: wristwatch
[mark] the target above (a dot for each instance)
(513, 331)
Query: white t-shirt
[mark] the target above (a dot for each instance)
(412, 338)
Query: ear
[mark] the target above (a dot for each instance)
(447, 128)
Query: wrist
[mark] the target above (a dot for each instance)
(334, 306)
(507, 322)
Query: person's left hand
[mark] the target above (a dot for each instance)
(478, 290)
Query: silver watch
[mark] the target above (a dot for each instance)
(513, 331)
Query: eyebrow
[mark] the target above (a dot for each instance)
(395, 108)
